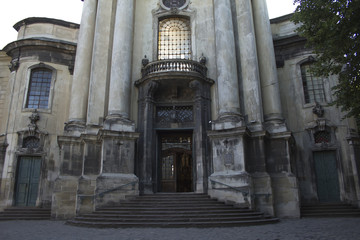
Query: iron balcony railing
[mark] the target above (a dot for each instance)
(174, 65)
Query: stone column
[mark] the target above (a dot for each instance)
(227, 78)
(249, 64)
(267, 63)
(253, 108)
(100, 63)
(120, 79)
(81, 78)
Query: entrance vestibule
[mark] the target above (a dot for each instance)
(175, 162)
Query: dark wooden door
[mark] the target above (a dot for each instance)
(27, 181)
(327, 176)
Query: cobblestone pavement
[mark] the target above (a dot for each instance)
(320, 228)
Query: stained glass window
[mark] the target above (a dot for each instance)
(174, 39)
(39, 88)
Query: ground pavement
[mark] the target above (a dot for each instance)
(296, 229)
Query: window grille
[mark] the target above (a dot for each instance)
(313, 86)
(31, 142)
(174, 39)
(322, 137)
(179, 114)
(39, 88)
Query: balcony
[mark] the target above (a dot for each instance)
(175, 66)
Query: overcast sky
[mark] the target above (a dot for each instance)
(12, 11)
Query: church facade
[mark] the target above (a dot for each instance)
(159, 96)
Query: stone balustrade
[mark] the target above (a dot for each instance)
(174, 65)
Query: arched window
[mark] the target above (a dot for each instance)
(39, 88)
(174, 39)
(313, 86)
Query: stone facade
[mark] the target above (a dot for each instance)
(227, 116)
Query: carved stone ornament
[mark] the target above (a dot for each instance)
(318, 110)
(33, 122)
(145, 61)
(174, 4)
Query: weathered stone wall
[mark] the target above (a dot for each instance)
(58, 56)
(4, 89)
(303, 122)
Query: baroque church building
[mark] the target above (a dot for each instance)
(159, 96)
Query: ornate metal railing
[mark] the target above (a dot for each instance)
(174, 65)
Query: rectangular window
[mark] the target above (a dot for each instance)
(174, 39)
(39, 88)
(313, 86)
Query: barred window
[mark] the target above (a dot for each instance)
(174, 39)
(322, 137)
(179, 114)
(313, 86)
(39, 88)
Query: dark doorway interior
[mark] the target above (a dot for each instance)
(175, 162)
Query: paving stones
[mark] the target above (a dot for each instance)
(295, 229)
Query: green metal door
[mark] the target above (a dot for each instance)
(327, 176)
(27, 181)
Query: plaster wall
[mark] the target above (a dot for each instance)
(48, 30)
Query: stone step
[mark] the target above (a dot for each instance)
(171, 210)
(172, 219)
(330, 210)
(154, 224)
(23, 213)
(171, 214)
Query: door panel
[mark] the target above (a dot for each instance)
(327, 176)
(27, 181)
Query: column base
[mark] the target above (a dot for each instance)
(75, 127)
(274, 123)
(119, 123)
(228, 121)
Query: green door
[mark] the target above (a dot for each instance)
(327, 176)
(27, 181)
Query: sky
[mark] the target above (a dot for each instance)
(13, 11)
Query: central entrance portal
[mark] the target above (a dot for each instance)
(175, 162)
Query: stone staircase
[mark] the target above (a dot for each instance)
(25, 213)
(170, 211)
(330, 210)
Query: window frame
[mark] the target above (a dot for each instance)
(159, 15)
(27, 87)
(309, 59)
(185, 20)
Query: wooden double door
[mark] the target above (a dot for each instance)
(327, 178)
(27, 181)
